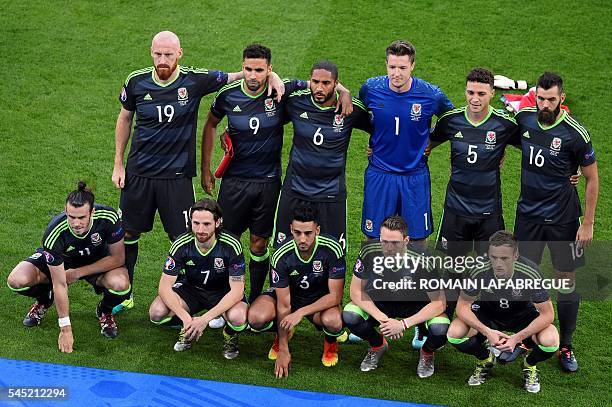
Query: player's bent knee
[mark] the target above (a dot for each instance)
(332, 319)
(351, 318)
(549, 336)
(438, 329)
(457, 329)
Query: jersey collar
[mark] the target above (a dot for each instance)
(318, 106)
(559, 120)
(195, 240)
(164, 85)
(248, 94)
(91, 222)
(297, 253)
(480, 122)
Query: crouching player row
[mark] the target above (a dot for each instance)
(484, 314)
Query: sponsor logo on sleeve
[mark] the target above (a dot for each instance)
(49, 257)
(170, 264)
(590, 155)
(123, 95)
(275, 276)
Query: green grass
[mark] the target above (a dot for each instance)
(64, 63)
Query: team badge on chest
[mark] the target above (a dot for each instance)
(490, 140)
(183, 96)
(415, 112)
(269, 107)
(218, 263)
(317, 266)
(338, 123)
(96, 239)
(555, 146)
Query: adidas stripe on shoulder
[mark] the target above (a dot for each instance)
(143, 71)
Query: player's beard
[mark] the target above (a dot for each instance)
(254, 85)
(326, 97)
(548, 117)
(165, 71)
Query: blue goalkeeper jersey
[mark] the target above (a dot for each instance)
(401, 122)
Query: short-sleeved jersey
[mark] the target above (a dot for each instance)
(209, 272)
(401, 122)
(369, 267)
(321, 136)
(550, 155)
(308, 279)
(62, 245)
(255, 125)
(474, 189)
(506, 304)
(164, 139)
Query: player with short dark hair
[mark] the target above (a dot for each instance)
(85, 242)
(251, 183)
(316, 172)
(372, 304)
(307, 281)
(211, 264)
(554, 145)
(478, 135)
(397, 181)
(484, 313)
(162, 161)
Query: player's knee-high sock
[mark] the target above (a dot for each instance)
(42, 292)
(331, 336)
(111, 298)
(131, 255)
(231, 330)
(567, 308)
(472, 346)
(540, 353)
(259, 267)
(363, 328)
(436, 334)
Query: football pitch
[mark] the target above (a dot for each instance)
(64, 64)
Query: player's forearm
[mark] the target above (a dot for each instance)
(122, 135)
(60, 291)
(431, 310)
(283, 308)
(170, 300)
(537, 325)
(591, 194)
(228, 301)
(340, 88)
(234, 76)
(209, 133)
(466, 314)
(103, 265)
(323, 303)
(363, 301)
